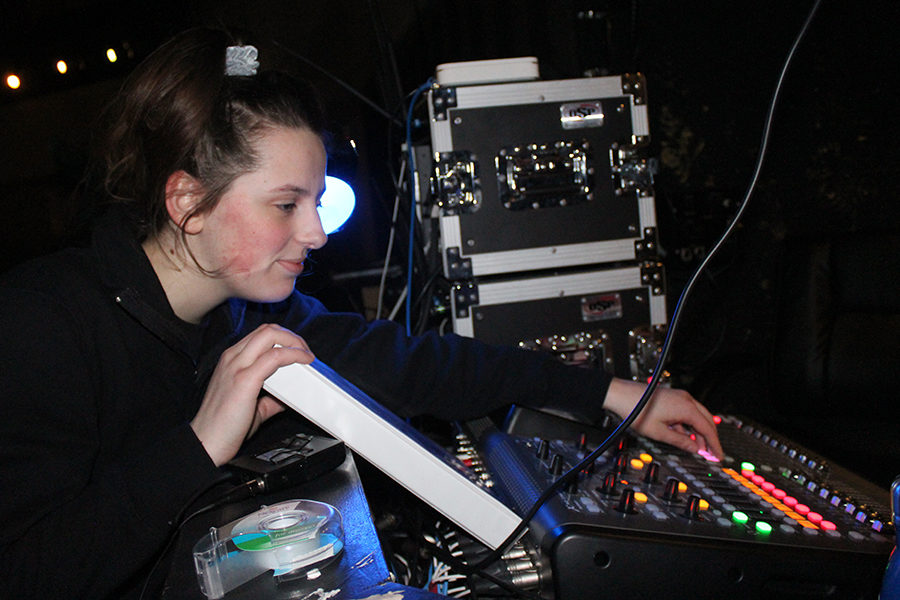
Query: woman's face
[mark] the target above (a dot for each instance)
(263, 227)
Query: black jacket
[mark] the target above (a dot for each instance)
(100, 379)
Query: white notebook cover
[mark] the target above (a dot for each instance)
(414, 461)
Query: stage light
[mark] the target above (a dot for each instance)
(337, 204)
(111, 55)
(13, 82)
(62, 67)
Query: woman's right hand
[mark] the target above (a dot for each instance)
(233, 408)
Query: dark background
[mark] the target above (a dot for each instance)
(830, 170)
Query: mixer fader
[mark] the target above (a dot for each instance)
(647, 520)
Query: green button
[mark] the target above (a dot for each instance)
(739, 517)
(748, 466)
(763, 527)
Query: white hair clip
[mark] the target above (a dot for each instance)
(241, 61)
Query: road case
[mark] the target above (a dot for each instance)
(612, 318)
(536, 175)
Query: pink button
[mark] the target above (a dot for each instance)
(828, 525)
(758, 479)
(802, 509)
(789, 500)
(815, 517)
(768, 486)
(747, 473)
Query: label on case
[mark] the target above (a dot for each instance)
(580, 115)
(600, 307)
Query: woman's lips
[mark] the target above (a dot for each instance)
(293, 266)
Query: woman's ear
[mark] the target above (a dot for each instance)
(183, 193)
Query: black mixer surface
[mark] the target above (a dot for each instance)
(647, 520)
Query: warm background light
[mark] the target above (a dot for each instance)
(13, 82)
(111, 55)
(61, 66)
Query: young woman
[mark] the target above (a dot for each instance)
(132, 370)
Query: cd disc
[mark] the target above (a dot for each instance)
(288, 538)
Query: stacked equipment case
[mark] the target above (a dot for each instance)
(545, 210)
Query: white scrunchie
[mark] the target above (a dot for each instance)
(241, 61)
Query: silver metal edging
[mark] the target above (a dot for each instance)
(534, 92)
(647, 211)
(540, 288)
(640, 121)
(552, 256)
(441, 137)
(658, 314)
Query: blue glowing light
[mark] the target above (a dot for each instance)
(338, 203)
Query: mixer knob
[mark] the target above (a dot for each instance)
(652, 474)
(607, 421)
(588, 470)
(627, 503)
(622, 462)
(556, 465)
(582, 442)
(692, 509)
(543, 450)
(622, 445)
(609, 484)
(572, 486)
(670, 494)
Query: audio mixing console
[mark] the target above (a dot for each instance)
(647, 520)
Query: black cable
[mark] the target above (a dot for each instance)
(179, 522)
(654, 380)
(465, 569)
(385, 47)
(340, 82)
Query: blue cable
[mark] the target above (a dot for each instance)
(412, 201)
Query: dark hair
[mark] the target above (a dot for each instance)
(179, 111)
